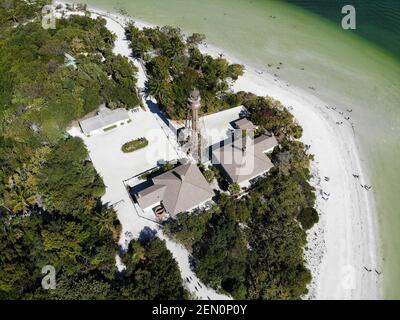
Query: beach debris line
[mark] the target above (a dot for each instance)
(325, 195)
(366, 187)
(368, 270)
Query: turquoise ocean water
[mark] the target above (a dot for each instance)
(359, 68)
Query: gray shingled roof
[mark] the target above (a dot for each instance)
(151, 195)
(265, 142)
(244, 159)
(179, 189)
(104, 118)
(244, 124)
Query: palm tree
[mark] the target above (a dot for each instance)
(154, 88)
(158, 89)
(104, 221)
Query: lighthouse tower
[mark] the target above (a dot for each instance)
(194, 105)
(196, 144)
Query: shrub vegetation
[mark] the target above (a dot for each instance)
(134, 145)
(50, 208)
(253, 247)
(175, 66)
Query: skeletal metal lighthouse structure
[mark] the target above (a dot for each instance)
(196, 144)
(194, 105)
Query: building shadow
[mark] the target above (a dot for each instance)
(153, 107)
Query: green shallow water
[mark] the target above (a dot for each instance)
(346, 70)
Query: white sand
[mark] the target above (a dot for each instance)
(346, 238)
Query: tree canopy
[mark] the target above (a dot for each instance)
(252, 247)
(50, 193)
(175, 66)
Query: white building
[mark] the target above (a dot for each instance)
(105, 119)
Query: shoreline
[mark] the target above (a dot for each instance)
(345, 240)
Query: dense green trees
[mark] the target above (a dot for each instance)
(41, 95)
(269, 113)
(152, 273)
(71, 244)
(46, 93)
(234, 189)
(252, 247)
(50, 208)
(68, 182)
(122, 92)
(19, 11)
(188, 228)
(175, 66)
(308, 217)
(221, 255)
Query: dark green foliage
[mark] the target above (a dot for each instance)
(221, 255)
(188, 228)
(270, 114)
(308, 217)
(19, 11)
(39, 89)
(40, 95)
(73, 247)
(69, 183)
(152, 274)
(235, 208)
(175, 66)
(277, 240)
(252, 247)
(48, 186)
(123, 90)
(234, 189)
(86, 288)
(209, 175)
(134, 145)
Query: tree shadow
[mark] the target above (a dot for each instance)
(147, 234)
(153, 107)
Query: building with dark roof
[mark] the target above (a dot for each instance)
(243, 159)
(178, 190)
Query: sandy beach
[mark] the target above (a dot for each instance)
(343, 249)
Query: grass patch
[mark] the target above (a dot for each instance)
(134, 145)
(110, 128)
